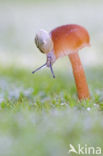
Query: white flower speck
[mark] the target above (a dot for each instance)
(88, 109)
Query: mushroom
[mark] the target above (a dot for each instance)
(66, 40)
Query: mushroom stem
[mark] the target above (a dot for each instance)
(79, 76)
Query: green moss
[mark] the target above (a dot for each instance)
(51, 117)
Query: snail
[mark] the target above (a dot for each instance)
(45, 44)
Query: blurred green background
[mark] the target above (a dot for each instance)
(40, 116)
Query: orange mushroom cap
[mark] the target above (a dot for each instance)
(68, 39)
